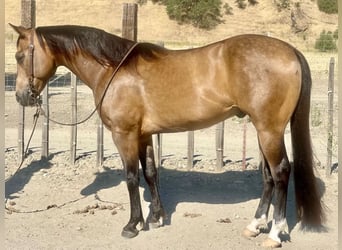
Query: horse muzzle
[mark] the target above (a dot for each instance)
(27, 97)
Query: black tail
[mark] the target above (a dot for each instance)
(309, 205)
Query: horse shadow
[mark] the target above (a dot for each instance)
(229, 187)
(17, 182)
(178, 186)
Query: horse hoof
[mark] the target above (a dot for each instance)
(156, 223)
(129, 233)
(269, 243)
(249, 234)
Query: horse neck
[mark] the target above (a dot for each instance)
(88, 70)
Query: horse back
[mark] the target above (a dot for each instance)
(192, 89)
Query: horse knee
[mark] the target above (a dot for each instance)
(150, 171)
(132, 179)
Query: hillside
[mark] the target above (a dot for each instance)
(154, 24)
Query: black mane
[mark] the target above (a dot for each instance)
(104, 47)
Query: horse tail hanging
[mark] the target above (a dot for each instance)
(309, 206)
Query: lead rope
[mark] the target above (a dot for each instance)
(40, 110)
(102, 97)
(35, 117)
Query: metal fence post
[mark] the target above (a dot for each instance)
(45, 127)
(219, 145)
(73, 140)
(330, 115)
(191, 149)
(159, 149)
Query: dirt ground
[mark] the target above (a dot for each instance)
(52, 204)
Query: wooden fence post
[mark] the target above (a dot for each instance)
(129, 31)
(28, 20)
(219, 145)
(330, 115)
(28, 13)
(73, 139)
(130, 21)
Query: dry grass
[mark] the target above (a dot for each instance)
(154, 24)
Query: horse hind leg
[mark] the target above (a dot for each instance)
(273, 148)
(147, 161)
(260, 219)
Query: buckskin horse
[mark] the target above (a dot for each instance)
(141, 89)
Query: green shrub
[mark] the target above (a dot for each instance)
(282, 4)
(227, 9)
(328, 6)
(205, 14)
(253, 2)
(325, 42)
(335, 35)
(141, 2)
(241, 3)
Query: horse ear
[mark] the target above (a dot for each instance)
(19, 29)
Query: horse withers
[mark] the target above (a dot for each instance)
(142, 89)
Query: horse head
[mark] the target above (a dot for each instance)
(35, 65)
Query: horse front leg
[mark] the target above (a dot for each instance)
(128, 147)
(148, 165)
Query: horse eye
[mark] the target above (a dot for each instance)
(19, 57)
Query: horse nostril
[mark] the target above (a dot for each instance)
(19, 98)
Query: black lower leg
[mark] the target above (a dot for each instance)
(151, 176)
(130, 230)
(281, 177)
(266, 197)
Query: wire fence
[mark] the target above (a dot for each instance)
(319, 64)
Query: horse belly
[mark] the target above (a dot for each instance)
(188, 114)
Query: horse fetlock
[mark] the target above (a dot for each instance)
(277, 228)
(157, 219)
(141, 225)
(156, 223)
(257, 224)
